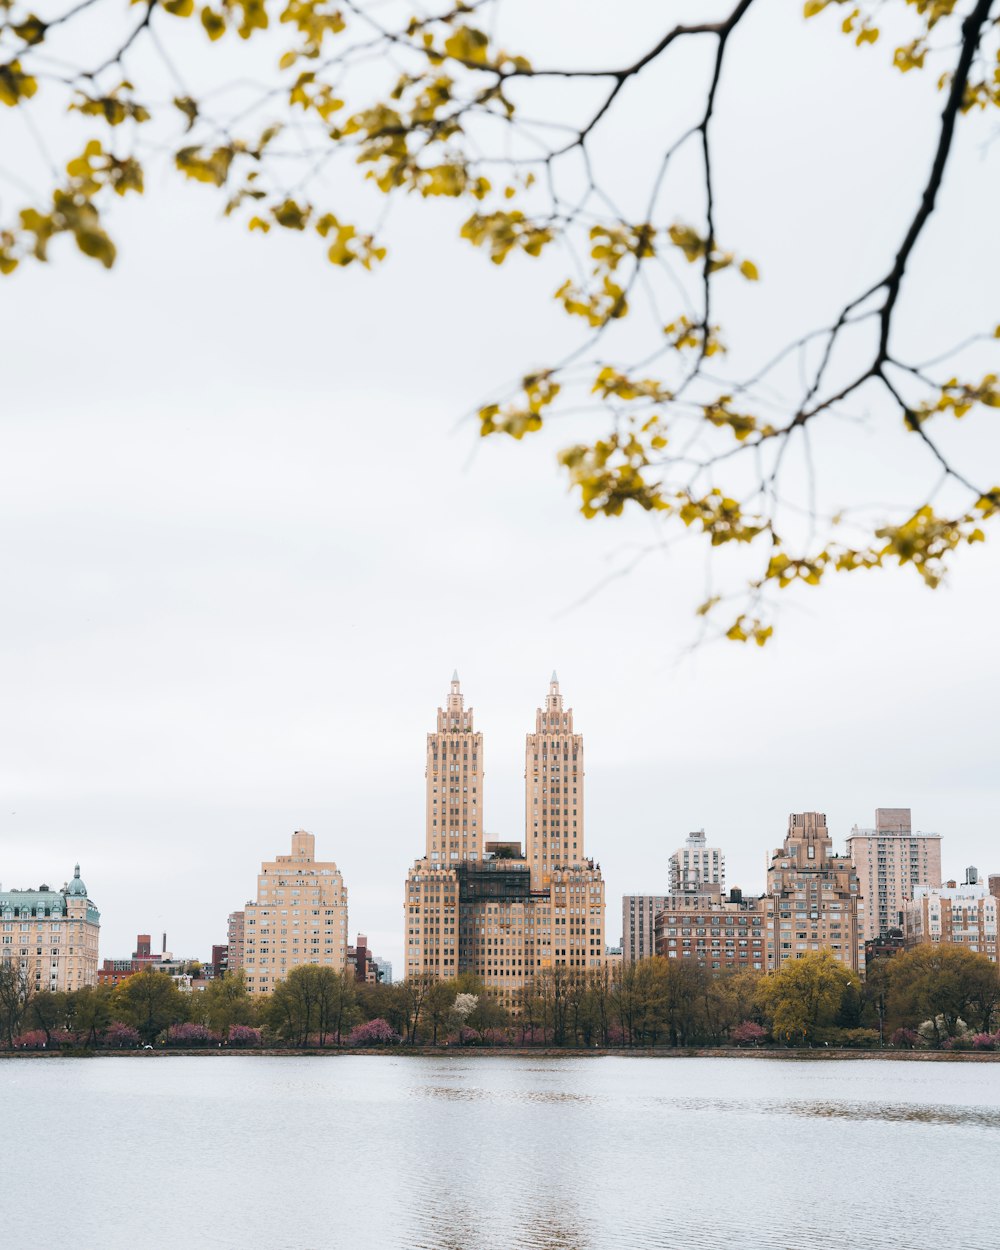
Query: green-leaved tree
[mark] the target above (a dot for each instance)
(806, 995)
(150, 1002)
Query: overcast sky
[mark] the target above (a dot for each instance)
(246, 538)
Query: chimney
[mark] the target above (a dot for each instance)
(164, 951)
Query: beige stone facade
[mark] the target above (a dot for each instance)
(813, 899)
(51, 935)
(891, 862)
(489, 910)
(553, 789)
(299, 917)
(453, 834)
(454, 772)
(963, 914)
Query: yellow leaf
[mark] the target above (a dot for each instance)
(31, 30)
(467, 44)
(188, 107)
(15, 85)
(214, 23)
(749, 270)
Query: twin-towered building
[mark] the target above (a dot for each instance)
(472, 905)
(486, 907)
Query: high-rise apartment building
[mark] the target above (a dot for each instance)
(694, 870)
(234, 938)
(51, 935)
(483, 907)
(567, 887)
(963, 914)
(891, 861)
(298, 917)
(639, 912)
(813, 899)
(553, 789)
(454, 773)
(696, 865)
(453, 833)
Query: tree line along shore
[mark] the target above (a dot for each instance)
(939, 1000)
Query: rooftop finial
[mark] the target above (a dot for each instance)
(454, 676)
(554, 679)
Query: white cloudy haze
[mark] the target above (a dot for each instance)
(246, 538)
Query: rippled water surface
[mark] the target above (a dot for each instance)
(477, 1153)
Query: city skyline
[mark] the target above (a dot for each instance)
(475, 476)
(207, 604)
(392, 949)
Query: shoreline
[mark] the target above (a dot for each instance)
(513, 1052)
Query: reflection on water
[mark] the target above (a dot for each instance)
(896, 1113)
(981, 1117)
(475, 1094)
(478, 1153)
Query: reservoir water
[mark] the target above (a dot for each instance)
(485, 1153)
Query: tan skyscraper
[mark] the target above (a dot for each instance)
(298, 917)
(482, 907)
(454, 779)
(553, 790)
(813, 900)
(891, 862)
(453, 775)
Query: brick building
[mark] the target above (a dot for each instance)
(718, 931)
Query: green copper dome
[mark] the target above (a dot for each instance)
(76, 888)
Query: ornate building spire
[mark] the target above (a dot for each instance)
(553, 796)
(454, 774)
